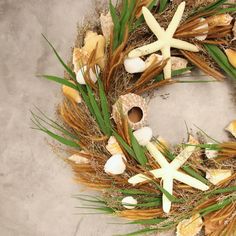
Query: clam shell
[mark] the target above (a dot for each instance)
(106, 25)
(71, 93)
(115, 165)
(134, 107)
(190, 226)
(220, 20)
(232, 128)
(134, 65)
(143, 135)
(215, 176)
(113, 146)
(128, 201)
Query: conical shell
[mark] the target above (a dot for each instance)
(132, 106)
(231, 54)
(220, 20)
(106, 25)
(190, 226)
(71, 93)
(215, 176)
(232, 128)
(113, 146)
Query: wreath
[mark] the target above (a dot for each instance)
(135, 48)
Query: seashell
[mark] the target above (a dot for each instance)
(154, 58)
(201, 27)
(71, 93)
(93, 40)
(115, 165)
(113, 146)
(176, 62)
(232, 128)
(190, 226)
(106, 25)
(234, 31)
(78, 159)
(127, 202)
(134, 107)
(93, 76)
(80, 58)
(134, 65)
(143, 135)
(210, 154)
(231, 54)
(215, 176)
(220, 20)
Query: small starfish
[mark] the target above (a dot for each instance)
(168, 172)
(165, 38)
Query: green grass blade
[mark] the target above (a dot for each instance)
(148, 222)
(134, 192)
(70, 72)
(163, 5)
(138, 150)
(221, 59)
(105, 108)
(211, 7)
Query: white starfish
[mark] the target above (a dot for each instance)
(168, 172)
(165, 38)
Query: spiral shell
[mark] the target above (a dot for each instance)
(220, 20)
(132, 106)
(113, 146)
(190, 226)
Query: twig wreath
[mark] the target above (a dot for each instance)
(136, 47)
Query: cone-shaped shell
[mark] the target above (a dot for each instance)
(113, 146)
(232, 128)
(190, 226)
(132, 106)
(215, 176)
(220, 20)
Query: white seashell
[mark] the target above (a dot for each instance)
(154, 58)
(143, 135)
(78, 159)
(113, 146)
(80, 75)
(115, 165)
(128, 201)
(205, 27)
(215, 176)
(106, 25)
(134, 107)
(210, 154)
(232, 128)
(134, 65)
(190, 226)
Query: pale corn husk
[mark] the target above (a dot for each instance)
(124, 104)
(231, 54)
(113, 146)
(106, 25)
(215, 176)
(190, 226)
(232, 128)
(220, 20)
(71, 93)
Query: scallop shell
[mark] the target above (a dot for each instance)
(113, 146)
(77, 159)
(106, 25)
(132, 106)
(220, 20)
(231, 54)
(215, 176)
(190, 226)
(80, 58)
(93, 40)
(232, 128)
(71, 93)
(115, 165)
